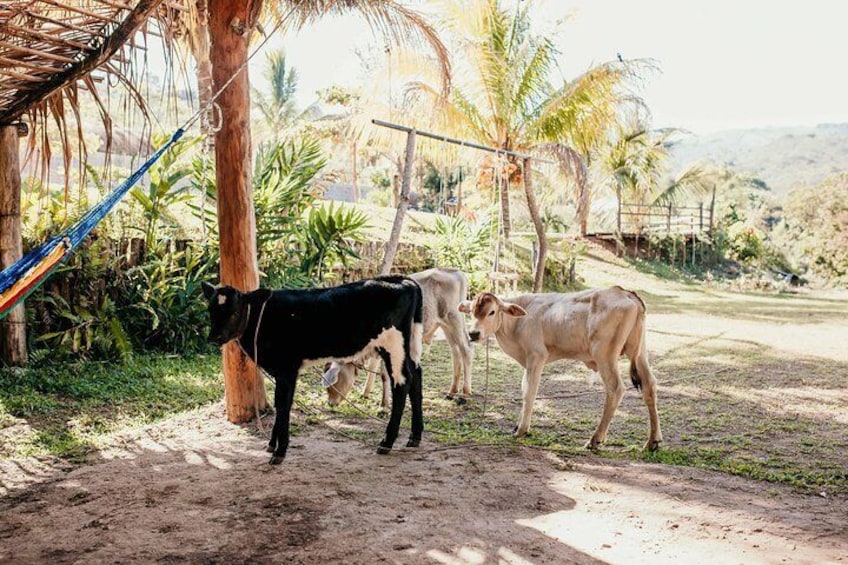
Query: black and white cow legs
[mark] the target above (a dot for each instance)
(416, 394)
(399, 393)
(283, 397)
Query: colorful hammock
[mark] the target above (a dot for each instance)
(20, 279)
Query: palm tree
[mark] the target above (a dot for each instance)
(635, 162)
(278, 107)
(503, 97)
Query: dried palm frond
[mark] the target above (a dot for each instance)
(48, 51)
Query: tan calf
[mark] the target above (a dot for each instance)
(593, 326)
(442, 291)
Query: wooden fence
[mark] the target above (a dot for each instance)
(656, 219)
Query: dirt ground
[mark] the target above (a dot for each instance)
(197, 489)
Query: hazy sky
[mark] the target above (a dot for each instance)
(725, 63)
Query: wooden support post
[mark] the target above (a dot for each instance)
(229, 31)
(618, 222)
(668, 219)
(355, 179)
(13, 327)
(403, 204)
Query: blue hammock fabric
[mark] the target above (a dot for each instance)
(72, 237)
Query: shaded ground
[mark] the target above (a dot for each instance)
(197, 489)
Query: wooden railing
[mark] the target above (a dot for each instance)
(646, 218)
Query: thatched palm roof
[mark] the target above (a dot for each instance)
(46, 45)
(50, 50)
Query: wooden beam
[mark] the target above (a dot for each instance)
(447, 139)
(244, 389)
(110, 46)
(403, 204)
(13, 326)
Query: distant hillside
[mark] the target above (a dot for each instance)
(782, 157)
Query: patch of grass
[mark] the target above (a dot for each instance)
(732, 422)
(66, 407)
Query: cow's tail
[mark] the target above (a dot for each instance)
(636, 344)
(417, 335)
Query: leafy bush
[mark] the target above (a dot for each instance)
(745, 243)
(78, 312)
(164, 301)
(816, 227)
(463, 245)
(328, 238)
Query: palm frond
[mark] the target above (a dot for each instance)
(394, 21)
(693, 183)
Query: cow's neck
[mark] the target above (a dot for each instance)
(250, 336)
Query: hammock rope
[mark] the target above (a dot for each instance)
(24, 276)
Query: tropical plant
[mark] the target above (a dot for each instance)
(167, 189)
(462, 245)
(277, 107)
(78, 312)
(164, 300)
(283, 189)
(328, 237)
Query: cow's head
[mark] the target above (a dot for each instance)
(338, 379)
(488, 311)
(228, 313)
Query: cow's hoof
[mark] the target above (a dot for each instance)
(518, 433)
(593, 445)
(276, 459)
(383, 450)
(652, 445)
(271, 448)
(461, 400)
(413, 442)
(449, 396)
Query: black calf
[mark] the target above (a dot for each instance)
(293, 329)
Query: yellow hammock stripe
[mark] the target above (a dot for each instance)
(33, 275)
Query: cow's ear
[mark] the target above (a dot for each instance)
(208, 290)
(514, 310)
(263, 294)
(464, 306)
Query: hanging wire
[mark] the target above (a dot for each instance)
(496, 179)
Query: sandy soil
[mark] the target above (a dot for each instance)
(196, 489)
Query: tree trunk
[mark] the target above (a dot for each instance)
(13, 327)
(200, 48)
(229, 30)
(539, 279)
(403, 204)
(583, 209)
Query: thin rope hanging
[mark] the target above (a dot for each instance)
(24, 276)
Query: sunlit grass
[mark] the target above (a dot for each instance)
(64, 409)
